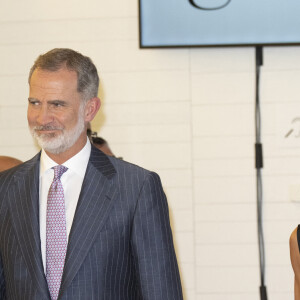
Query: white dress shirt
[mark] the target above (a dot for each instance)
(72, 182)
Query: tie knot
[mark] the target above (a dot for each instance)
(59, 170)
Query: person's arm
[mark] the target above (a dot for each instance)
(152, 243)
(295, 259)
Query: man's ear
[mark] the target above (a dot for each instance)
(91, 108)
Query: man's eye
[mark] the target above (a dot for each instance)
(57, 104)
(33, 102)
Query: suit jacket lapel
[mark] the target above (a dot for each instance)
(24, 206)
(94, 204)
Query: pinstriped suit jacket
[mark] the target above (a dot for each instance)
(120, 245)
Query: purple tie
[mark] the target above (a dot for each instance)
(56, 233)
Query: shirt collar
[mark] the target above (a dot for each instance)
(77, 163)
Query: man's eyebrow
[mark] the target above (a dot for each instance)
(56, 101)
(32, 99)
(62, 102)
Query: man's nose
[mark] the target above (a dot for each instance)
(44, 115)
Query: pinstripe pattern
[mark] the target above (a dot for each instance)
(120, 245)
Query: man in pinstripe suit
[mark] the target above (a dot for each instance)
(119, 240)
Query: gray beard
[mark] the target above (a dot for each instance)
(59, 143)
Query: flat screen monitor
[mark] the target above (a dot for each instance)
(181, 23)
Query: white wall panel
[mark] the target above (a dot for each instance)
(148, 133)
(227, 255)
(146, 86)
(218, 233)
(91, 29)
(180, 198)
(185, 247)
(223, 120)
(147, 113)
(222, 60)
(226, 212)
(230, 296)
(280, 86)
(225, 190)
(175, 177)
(14, 90)
(209, 88)
(17, 137)
(55, 9)
(223, 147)
(13, 117)
(183, 220)
(224, 167)
(22, 152)
(241, 279)
(282, 58)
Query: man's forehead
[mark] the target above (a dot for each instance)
(54, 85)
(62, 73)
(62, 78)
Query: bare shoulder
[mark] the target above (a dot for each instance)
(293, 238)
(294, 251)
(295, 260)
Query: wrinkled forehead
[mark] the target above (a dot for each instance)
(63, 78)
(61, 84)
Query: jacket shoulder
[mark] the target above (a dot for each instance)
(19, 170)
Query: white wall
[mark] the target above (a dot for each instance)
(187, 114)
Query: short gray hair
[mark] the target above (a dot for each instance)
(58, 58)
